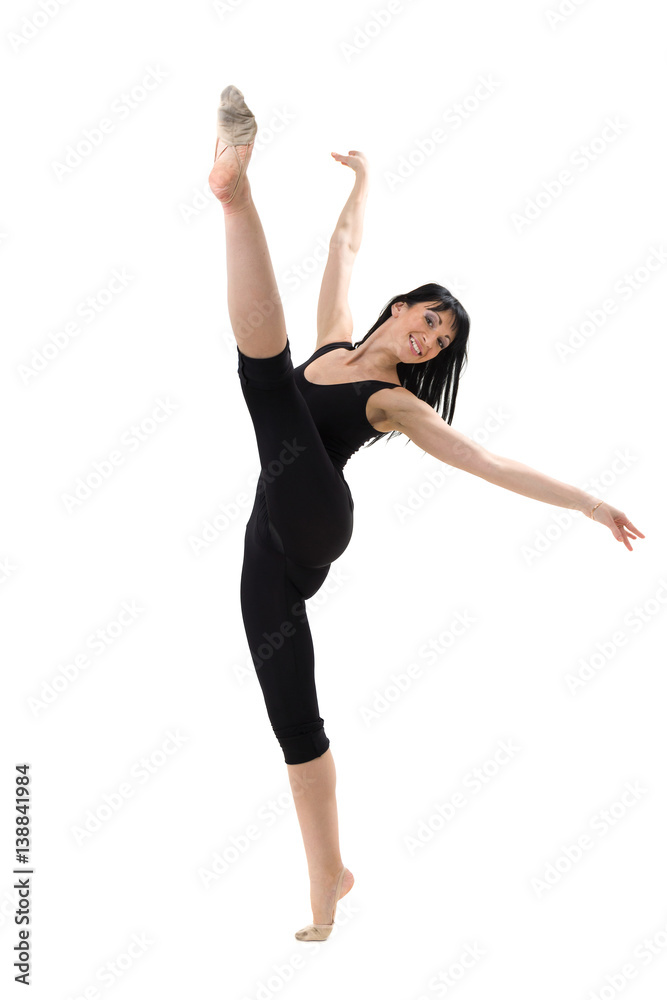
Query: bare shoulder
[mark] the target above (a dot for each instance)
(396, 409)
(332, 338)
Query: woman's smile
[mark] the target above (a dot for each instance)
(414, 346)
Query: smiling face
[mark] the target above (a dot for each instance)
(421, 333)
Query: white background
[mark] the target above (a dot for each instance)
(544, 595)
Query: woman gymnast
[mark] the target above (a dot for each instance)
(402, 377)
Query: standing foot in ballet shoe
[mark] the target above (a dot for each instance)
(324, 900)
(236, 134)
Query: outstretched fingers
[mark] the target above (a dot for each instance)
(627, 530)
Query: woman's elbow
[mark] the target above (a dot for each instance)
(485, 464)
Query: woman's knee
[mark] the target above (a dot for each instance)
(303, 742)
(265, 373)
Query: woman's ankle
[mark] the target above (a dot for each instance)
(323, 876)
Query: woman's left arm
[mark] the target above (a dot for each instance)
(523, 479)
(423, 425)
(350, 226)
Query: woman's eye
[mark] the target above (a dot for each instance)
(429, 320)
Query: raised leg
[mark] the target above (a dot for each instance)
(255, 309)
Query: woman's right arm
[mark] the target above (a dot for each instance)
(334, 319)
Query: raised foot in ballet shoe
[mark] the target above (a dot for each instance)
(320, 932)
(236, 130)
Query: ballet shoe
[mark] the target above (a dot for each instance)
(236, 127)
(320, 932)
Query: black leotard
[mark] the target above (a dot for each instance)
(300, 522)
(339, 410)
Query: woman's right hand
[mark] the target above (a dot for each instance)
(617, 522)
(354, 159)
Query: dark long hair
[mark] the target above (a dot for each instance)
(435, 381)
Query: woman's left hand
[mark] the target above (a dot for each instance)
(617, 522)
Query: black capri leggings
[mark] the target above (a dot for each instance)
(300, 522)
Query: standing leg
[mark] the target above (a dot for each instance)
(313, 787)
(273, 594)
